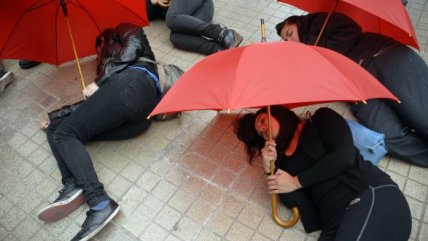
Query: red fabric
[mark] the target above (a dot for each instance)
(37, 29)
(269, 74)
(387, 17)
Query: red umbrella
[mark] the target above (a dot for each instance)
(388, 18)
(264, 74)
(40, 30)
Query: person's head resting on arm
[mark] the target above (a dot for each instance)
(288, 30)
(252, 129)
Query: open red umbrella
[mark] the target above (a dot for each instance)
(388, 18)
(56, 31)
(264, 74)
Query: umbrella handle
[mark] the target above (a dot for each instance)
(274, 202)
(164, 4)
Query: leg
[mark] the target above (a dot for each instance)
(401, 142)
(126, 98)
(373, 216)
(66, 176)
(194, 43)
(179, 18)
(405, 73)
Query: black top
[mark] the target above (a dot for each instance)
(330, 169)
(343, 35)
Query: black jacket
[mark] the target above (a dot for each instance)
(342, 35)
(134, 44)
(326, 162)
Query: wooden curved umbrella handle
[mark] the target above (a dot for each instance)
(285, 224)
(274, 202)
(164, 4)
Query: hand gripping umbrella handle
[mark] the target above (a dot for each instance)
(274, 202)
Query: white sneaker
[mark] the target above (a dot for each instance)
(5, 80)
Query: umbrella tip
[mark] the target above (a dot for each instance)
(364, 101)
(228, 111)
(398, 101)
(148, 117)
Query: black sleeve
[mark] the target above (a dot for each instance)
(308, 212)
(340, 34)
(336, 138)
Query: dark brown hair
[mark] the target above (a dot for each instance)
(289, 20)
(246, 132)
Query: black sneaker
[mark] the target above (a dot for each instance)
(96, 220)
(27, 64)
(70, 198)
(230, 39)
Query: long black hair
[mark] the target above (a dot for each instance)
(246, 132)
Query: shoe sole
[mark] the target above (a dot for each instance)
(5, 80)
(57, 211)
(239, 40)
(112, 215)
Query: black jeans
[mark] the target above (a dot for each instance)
(379, 212)
(191, 26)
(117, 110)
(405, 125)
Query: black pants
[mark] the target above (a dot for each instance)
(378, 213)
(117, 110)
(405, 125)
(191, 26)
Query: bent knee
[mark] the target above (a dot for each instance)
(171, 20)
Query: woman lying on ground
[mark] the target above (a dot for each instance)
(126, 91)
(321, 172)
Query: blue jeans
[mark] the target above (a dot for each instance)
(117, 110)
(191, 26)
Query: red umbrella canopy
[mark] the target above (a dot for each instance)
(37, 29)
(269, 74)
(388, 18)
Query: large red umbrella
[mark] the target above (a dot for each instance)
(264, 74)
(387, 17)
(41, 30)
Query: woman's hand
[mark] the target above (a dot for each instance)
(268, 154)
(282, 182)
(90, 90)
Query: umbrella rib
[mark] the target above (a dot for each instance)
(334, 66)
(232, 84)
(56, 33)
(131, 10)
(79, 5)
(33, 7)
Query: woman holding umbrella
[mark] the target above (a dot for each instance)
(125, 92)
(322, 173)
(395, 65)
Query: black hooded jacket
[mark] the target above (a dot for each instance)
(133, 45)
(342, 35)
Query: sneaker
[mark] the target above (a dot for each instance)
(96, 220)
(69, 199)
(27, 64)
(5, 80)
(230, 39)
